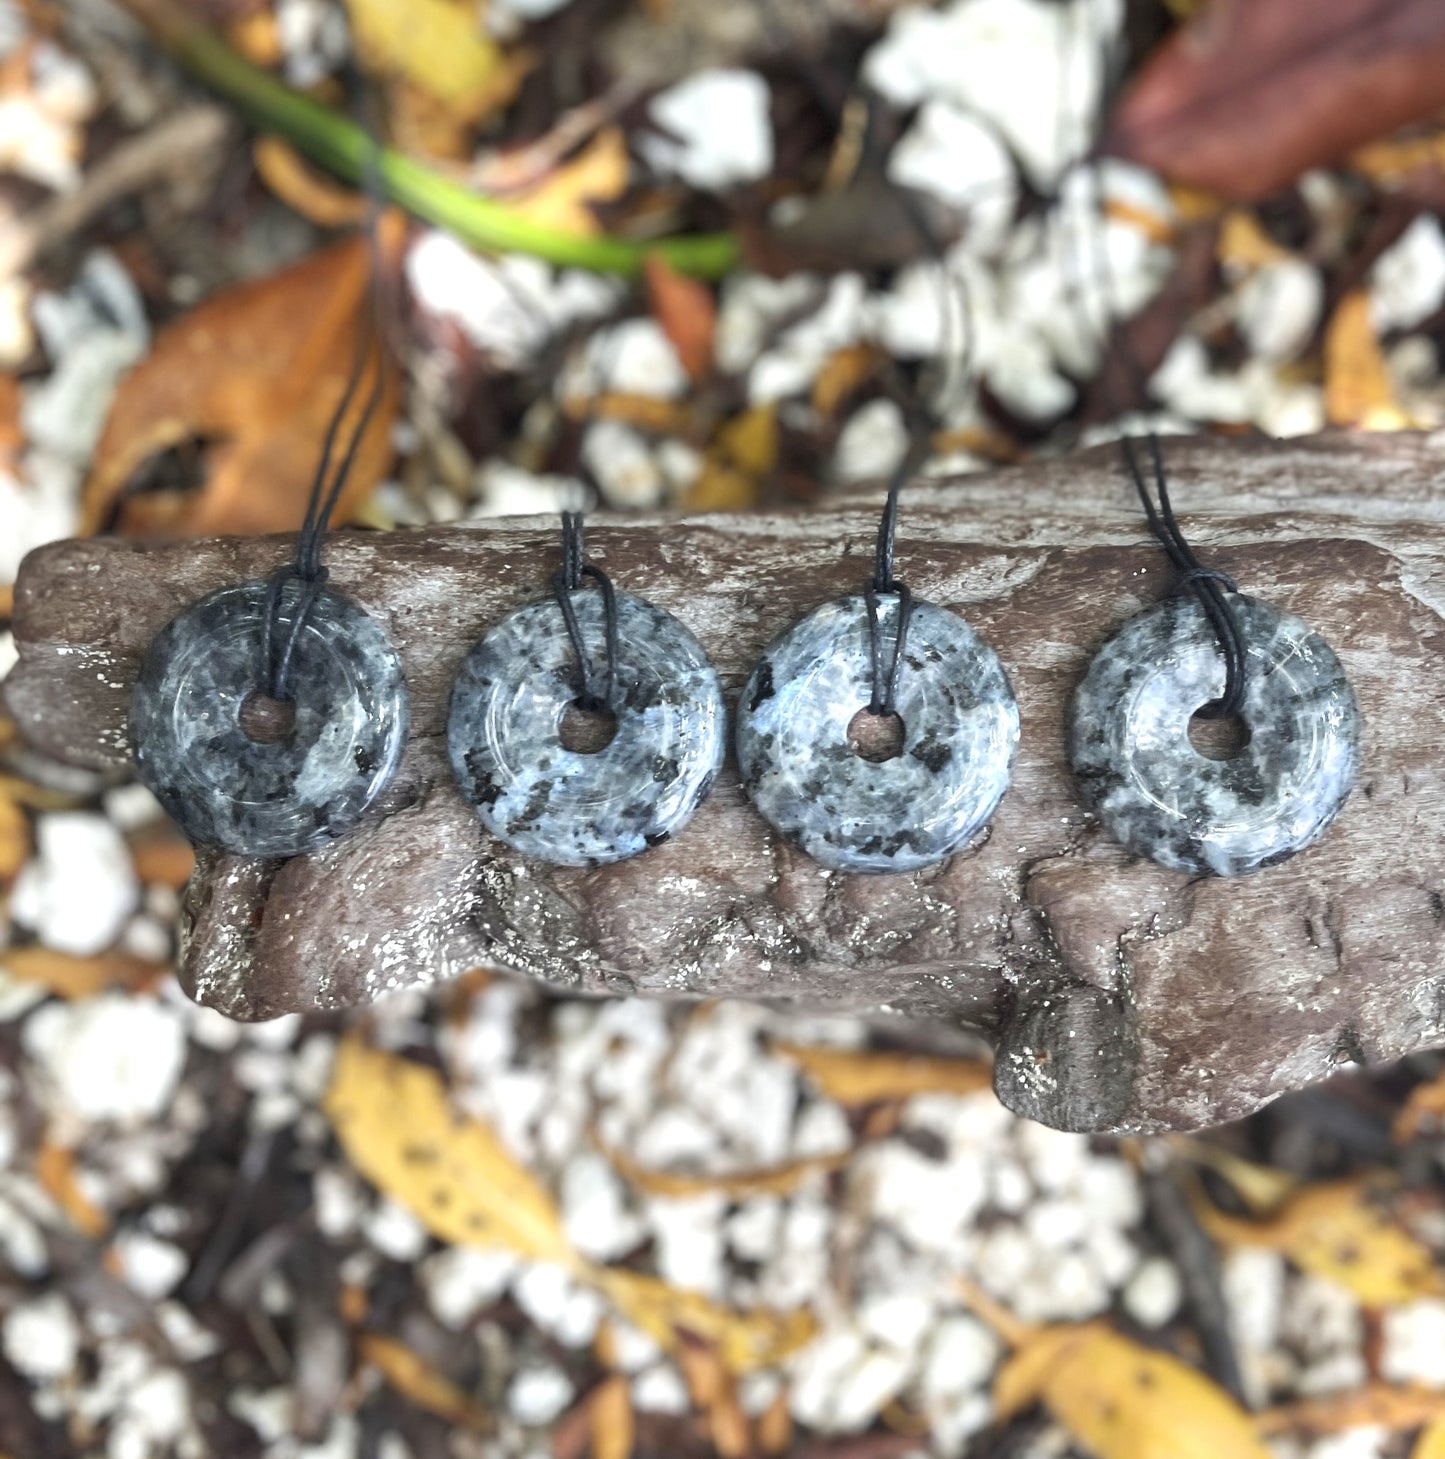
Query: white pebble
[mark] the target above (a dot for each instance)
(1407, 284)
(793, 363)
(689, 1238)
(926, 1201)
(819, 1371)
(1154, 1293)
(896, 1319)
(505, 490)
(1415, 1343)
(675, 1136)
(131, 806)
(77, 891)
(337, 1201)
(160, 1407)
(623, 464)
(594, 1209)
(112, 1057)
(537, 1396)
(872, 443)
(660, 1389)
(557, 1305)
(718, 129)
(632, 358)
(752, 1230)
(147, 1265)
(395, 1232)
(961, 1356)
(1363, 1443)
(462, 1281)
(41, 1338)
(1278, 307)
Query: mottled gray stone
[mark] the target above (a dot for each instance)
(312, 786)
(566, 807)
(960, 729)
(1157, 795)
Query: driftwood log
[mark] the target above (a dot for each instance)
(1117, 995)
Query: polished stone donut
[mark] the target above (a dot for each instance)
(313, 784)
(1155, 793)
(569, 807)
(960, 729)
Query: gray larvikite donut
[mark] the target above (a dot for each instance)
(1158, 795)
(585, 809)
(278, 799)
(960, 728)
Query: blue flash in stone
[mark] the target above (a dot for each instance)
(960, 730)
(565, 806)
(314, 782)
(1157, 795)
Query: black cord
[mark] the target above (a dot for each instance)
(1208, 585)
(568, 580)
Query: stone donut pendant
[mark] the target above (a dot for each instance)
(309, 785)
(1157, 795)
(960, 730)
(565, 806)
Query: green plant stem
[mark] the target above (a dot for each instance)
(341, 147)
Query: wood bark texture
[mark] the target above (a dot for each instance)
(1118, 995)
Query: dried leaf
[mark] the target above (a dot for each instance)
(1344, 1232)
(687, 313)
(1376, 1405)
(303, 188)
(1263, 1189)
(714, 1395)
(847, 370)
(55, 1171)
(744, 1340)
(160, 854)
(741, 457)
(446, 72)
(1243, 243)
(73, 977)
(1431, 1443)
(611, 1419)
(1358, 389)
(1396, 158)
(562, 201)
(1423, 1110)
(860, 1076)
(775, 1426)
(1247, 96)
(776, 1180)
(646, 412)
(15, 841)
(418, 1381)
(255, 373)
(394, 1120)
(1120, 1400)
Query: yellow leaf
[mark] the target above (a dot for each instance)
(775, 1180)
(438, 46)
(1021, 1381)
(394, 1120)
(14, 839)
(1396, 158)
(845, 371)
(1156, 229)
(1431, 1443)
(611, 1419)
(416, 1380)
(598, 174)
(1376, 1405)
(1341, 1231)
(73, 977)
(744, 1340)
(1262, 1188)
(743, 453)
(1358, 389)
(853, 1076)
(55, 1172)
(1243, 243)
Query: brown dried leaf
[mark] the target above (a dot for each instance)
(776, 1180)
(256, 373)
(1247, 96)
(846, 371)
(418, 1381)
(611, 1420)
(1423, 1110)
(15, 842)
(303, 188)
(740, 459)
(687, 313)
(1358, 389)
(55, 1173)
(73, 977)
(1376, 1405)
(714, 1395)
(775, 1426)
(861, 1076)
(161, 854)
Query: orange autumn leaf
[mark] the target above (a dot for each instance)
(611, 1420)
(861, 1076)
(417, 1380)
(686, 312)
(254, 374)
(73, 977)
(55, 1172)
(303, 188)
(15, 843)
(1358, 389)
(162, 855)
(845, 371)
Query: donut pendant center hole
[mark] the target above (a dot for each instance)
(266, 721)
(876, 737)
(585, 729)
(1218, 739)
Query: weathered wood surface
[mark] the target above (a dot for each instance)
(1119, 995)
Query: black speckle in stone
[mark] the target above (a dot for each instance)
(961, 726)
(1157, 795)
(562, 806)
(268, 800)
